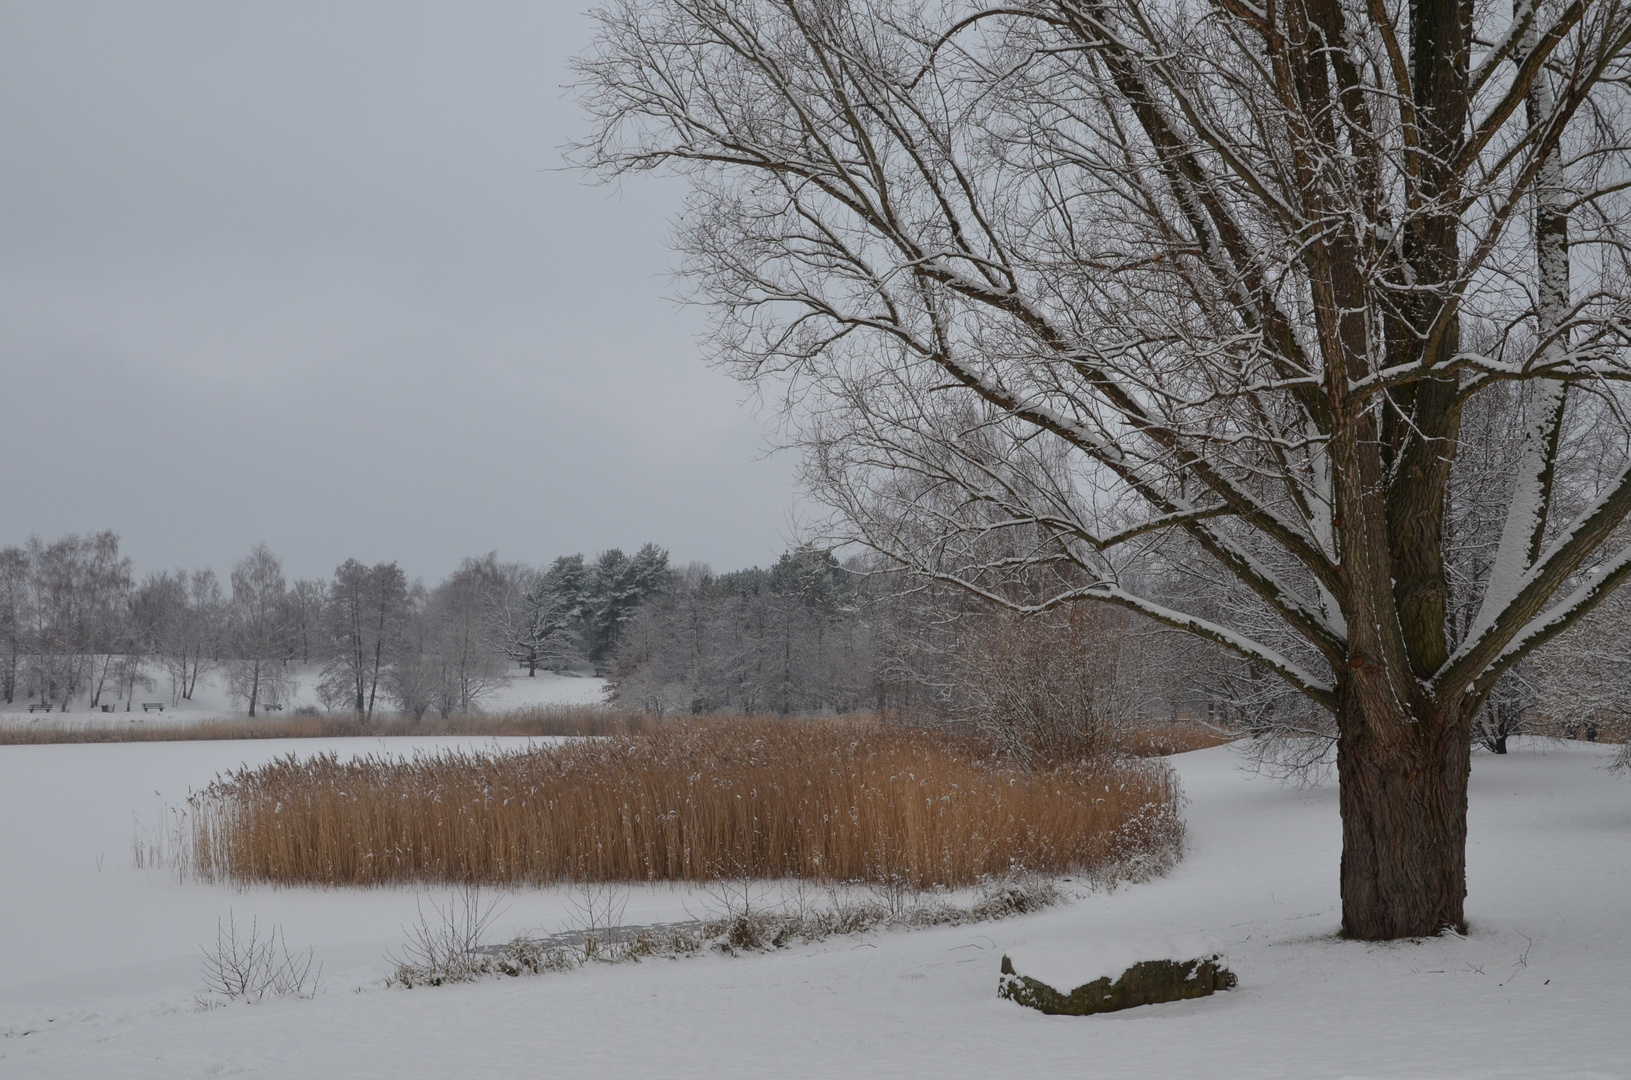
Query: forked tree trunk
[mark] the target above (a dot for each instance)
(1403, 794)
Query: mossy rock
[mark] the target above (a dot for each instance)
(1144, 983)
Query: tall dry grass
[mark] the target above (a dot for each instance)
(1159, 738)
(539, 721)
(689, 800)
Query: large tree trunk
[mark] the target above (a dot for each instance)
(1403, 794)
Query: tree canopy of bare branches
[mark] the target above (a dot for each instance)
(1143, 286)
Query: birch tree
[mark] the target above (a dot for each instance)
(1202, 284)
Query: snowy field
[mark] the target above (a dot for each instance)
(99, 963)
(210, 700)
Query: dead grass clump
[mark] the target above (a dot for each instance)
(689, 800)
(448, 945)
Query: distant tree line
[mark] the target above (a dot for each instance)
(791, 639)
(808, 634)
(77, 626)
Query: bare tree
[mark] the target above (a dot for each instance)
(258, 630)
(367, 626)
(72, 614)
(180, 617)
(1135, 285)
(459, 644)
(14, 642)
(305, 601)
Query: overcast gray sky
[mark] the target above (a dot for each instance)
(305, 273)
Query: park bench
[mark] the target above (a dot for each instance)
(107, 708)
(272, 708)
(149, 706)
(40, 706)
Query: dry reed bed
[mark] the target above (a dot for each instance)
(691, 800)
(552, 720)
(1161, 738)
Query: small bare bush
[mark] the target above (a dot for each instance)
(445, 944)
(1045, 688)
(597, 916)
(249, 967)
(824, 800)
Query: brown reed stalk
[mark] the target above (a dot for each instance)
(690, 800)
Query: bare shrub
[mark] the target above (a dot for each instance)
(691, 800)
(1067, 685)
(445, 945)
(1014, 896)
(250, 967)
(597, 915)
(1044, 688)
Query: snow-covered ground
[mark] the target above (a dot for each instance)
(210, 700)
(99, 963)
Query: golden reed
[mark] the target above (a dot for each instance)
(539, 720)
(836, 800)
